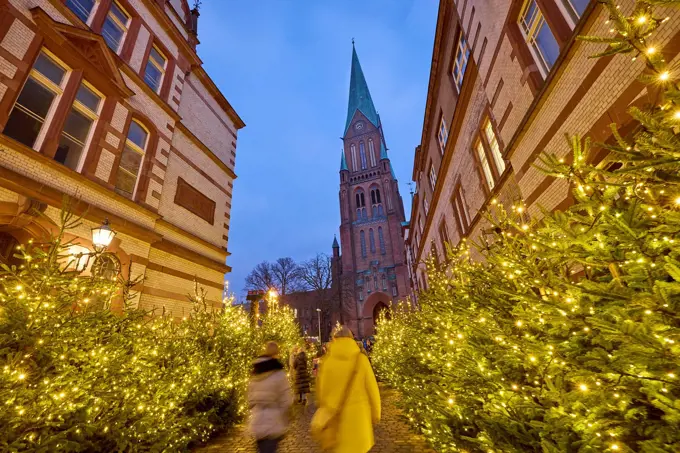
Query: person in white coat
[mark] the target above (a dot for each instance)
(269, 398)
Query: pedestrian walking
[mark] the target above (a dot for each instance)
(291, 358)
(301, 376)
(269, 399)
(347, 397)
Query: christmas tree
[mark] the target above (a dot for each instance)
(78, 377)
(563, 338)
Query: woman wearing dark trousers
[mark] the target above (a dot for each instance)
(301, 377)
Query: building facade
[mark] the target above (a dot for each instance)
(508, 80)
(107, 102)
(370, 260)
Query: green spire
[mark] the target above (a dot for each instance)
(343, 161)
(335, 242)
(359, 96)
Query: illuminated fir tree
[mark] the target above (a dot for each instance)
(77, 377)
(565, 337)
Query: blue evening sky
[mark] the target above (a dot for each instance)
(284, 65)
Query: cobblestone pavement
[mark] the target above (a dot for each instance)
(392, 434)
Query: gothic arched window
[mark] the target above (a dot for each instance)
(376, 202)
(362, 154)
(361, 204)
(384, 282)
(381, 240)
(371, 240)
(353, 151)
(371, 153)
(362, 236)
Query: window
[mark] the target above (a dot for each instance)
(131, 159)
(487, 150)
(115, 26)
(78, 127)
(361, 205)
(376, 203)
(81, 8)
(371, 153)
(362, 154)
(444, 235)
(371, 240)
(361, 295)
(353, 150)
(460, 61)
(434, 254)
(384, 282)
(433, 177)
(481, 154)
(576, 8)
(492, 141)
(443, 135)
(363, 243)
(394, 291)
(460, 210)
(36, 101)
(538, 35)
(381, 240)
(155, 69)
(420, 224)
(426, 204)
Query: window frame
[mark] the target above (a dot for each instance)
(94, 116)
(125, 27)
(353, 152)
(432, 176)
(371, 240)
(458, 69)
(442, 141)
(530, 29)
(45, 82)
(489, 156)
(96, 4)
(362, 240)
(444, 235)
(150, 60)
(362, 155)
(136, 149)
(461, 210)
(381, 240)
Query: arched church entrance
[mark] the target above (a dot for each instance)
(375, 304)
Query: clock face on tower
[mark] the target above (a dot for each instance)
(359, 125)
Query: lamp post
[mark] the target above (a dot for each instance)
(318, 311)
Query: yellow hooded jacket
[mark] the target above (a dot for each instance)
(361, 408)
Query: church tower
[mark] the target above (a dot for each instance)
(371, 262)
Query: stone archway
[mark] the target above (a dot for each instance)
(373, 306)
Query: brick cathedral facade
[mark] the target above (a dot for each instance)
(369, 263)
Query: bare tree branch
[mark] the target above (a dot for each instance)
(287, 275)
(261, 277)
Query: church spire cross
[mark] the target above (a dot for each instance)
(359, 96)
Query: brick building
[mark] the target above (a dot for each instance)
(508, 80)
(370, 259)
(107, 101)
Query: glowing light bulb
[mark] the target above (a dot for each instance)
(583, 387)
(642, 19)
(651, 50)
(664, 76)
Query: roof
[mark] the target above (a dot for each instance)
(359, 96)
(343, 161)
(335, 242)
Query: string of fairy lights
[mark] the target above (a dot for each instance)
(565, 337)
(76, 376)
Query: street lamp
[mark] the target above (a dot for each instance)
(318, 310)
(102, 236)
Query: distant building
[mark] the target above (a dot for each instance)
(107, 101)
(508, 80)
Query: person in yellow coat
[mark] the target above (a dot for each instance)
(347, 396)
